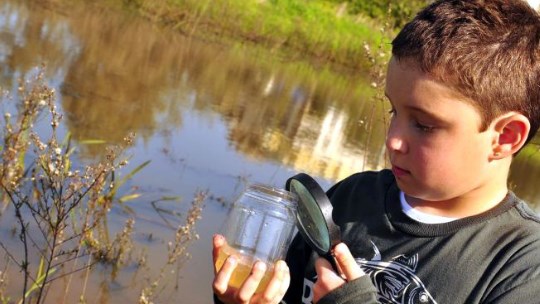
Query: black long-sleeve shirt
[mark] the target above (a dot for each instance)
(493, 257)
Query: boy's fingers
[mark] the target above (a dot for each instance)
(250, 285)
(346, 263)
(217, 242)
(284, 284)
(221, 281)
(275, 291)
(327, 279)
(324, 269)
(326, 275)
(273, 286)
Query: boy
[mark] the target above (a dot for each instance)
(441, 226)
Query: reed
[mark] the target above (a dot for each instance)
(60, 206)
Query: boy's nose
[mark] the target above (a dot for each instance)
(395, 140)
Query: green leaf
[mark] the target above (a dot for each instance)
(132, 173)
(129, 197)
(120, 183)
(169, 198)
(93, 141)
(40, 277)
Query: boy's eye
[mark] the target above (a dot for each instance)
(424, 128)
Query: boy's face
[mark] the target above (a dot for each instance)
(436, 149)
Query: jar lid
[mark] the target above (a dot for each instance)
(314, 214)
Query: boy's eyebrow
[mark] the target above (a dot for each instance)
(432, 115)
(419, 110)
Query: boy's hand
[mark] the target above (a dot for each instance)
(274, 292)
(328, 279)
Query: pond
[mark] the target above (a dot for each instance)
(210, 117)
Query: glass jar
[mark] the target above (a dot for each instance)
(260, 226)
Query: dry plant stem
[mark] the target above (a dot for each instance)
(75, 269)
(58, 212)
(85, 284)
(64, 207)
(183, 237)
(377, 72)
(3, 279)
(23, 237)
(56, 228)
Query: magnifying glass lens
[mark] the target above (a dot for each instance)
(310, 218)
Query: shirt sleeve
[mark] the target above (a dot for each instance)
(518, 281)
(521, 287)
(359, 291)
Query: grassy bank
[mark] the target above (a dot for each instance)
(321, 31)
(333, 33)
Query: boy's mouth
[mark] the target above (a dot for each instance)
(398, 172)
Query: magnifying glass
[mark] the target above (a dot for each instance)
(314, 215)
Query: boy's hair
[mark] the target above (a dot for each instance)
(487, 50)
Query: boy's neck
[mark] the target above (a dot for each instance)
(472, 203)
(458, 207)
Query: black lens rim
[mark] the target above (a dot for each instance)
(325, 207)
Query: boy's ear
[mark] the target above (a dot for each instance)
(512, 130)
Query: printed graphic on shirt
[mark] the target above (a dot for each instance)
(307, 293)
(395, 280)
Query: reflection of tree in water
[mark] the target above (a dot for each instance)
(126, 75)
(267, 105)
(29, 39)
(114, 83)
(119, 82)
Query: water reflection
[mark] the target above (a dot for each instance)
(113, 87)
(118, 75)
(26, 40)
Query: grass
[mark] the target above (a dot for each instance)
(319, 31)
